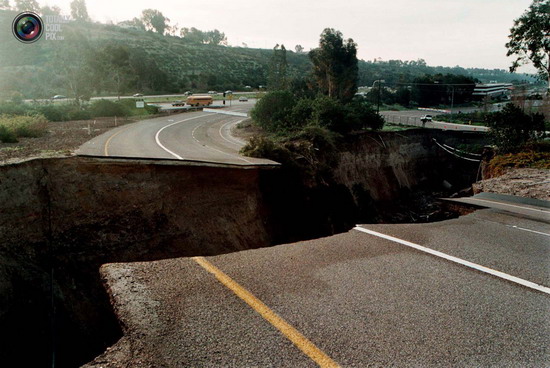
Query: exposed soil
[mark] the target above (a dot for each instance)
(524, 182)
(61, 140)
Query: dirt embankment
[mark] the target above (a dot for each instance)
(60, 219)
(524, 182)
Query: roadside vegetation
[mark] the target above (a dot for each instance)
(520, 139)
(304, 120)
(13, 127)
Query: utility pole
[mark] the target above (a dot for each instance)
(452, 101)
(380, 81)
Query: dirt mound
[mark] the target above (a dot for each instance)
(525, 182)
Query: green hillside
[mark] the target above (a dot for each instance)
(162, 64)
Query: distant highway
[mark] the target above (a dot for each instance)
(196, 136)
(412, 117)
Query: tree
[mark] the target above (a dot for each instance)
(135, 23)
(299, 49)
(79, 10)
(511, 127)
(72, 66)
(113, 64)
(47, 10)
(530, 38)
(335, 65)
(154, 20)
(23, 5)
(216, 37)
(277, 74)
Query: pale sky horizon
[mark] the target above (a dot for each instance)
(468, 33)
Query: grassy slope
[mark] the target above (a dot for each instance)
(198, 67)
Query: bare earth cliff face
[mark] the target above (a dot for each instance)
(61, 219)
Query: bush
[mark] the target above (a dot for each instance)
(330, 113)
(361, 115)
(273, 111)
(108, 108)
(511, 128)
(6, 135)
(13, 127)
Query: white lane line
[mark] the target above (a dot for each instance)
(217, 150)
(475, 266)
(524, 229)
(168, 126)
(229, 137)
(512, 205)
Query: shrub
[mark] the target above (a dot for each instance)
(361, 115)
(273, 111)
(330, 113)
(108, 108)
(511, 128)
(6, 135)
(12, 127)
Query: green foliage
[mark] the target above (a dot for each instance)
(196, 36)
(277, 79)
(109, 108)
(273, 111)
(335, 65)
(13, 127)
(26, 5)
(280, 112)
(360, 115)
(154, 20)
(439, 89)
(529, 38)
(511, 128)
(79, 10)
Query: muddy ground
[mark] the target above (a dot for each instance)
(62, 139)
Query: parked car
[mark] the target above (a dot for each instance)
(243, 99)
(212, 92)
(426, 118)
(188, 93)
(228, 92)
(138, 95)
(58, 97)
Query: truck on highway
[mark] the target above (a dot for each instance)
(199, 100)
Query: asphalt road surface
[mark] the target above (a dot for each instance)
(412, 117)
(197, 136)
(357, 299)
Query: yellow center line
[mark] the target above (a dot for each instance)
(306, 346)
(109, 141)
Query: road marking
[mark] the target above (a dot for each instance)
(475, 266)
(215, 149)
(106, 150)
(233, 140)
(524, 229)
(512, 205)
(306, 346)
(167, 126)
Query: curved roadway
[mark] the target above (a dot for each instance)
(194, 136)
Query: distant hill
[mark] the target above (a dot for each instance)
(172, 64)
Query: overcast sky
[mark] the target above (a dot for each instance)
(469, 33)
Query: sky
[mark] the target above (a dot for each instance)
(468, 33)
